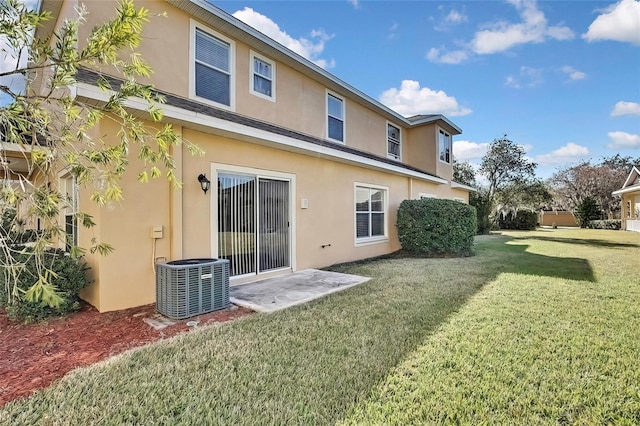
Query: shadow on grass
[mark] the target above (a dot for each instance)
(518, 260)
(304, 365)
(585, 242)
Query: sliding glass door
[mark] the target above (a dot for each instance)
(253, 223)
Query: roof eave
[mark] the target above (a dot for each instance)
(458, 185)
(206, 11)
(46, 28)
(634, 171)
(626, 190)
(434, 118)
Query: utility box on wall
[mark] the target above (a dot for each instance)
(189, 287)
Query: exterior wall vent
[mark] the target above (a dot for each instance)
(189, 287)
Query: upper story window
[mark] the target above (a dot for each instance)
(335, 118)
(263, 82)
(393, 142)
(212, 68)
(444, 144)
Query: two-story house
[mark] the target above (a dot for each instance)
(305, 170)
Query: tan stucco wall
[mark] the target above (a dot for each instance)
(125, 277)
(164, 43)
(327, 185)
(460, 193)
(420, 148)
(300, 102)
(558, 218)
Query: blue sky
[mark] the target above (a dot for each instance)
(561, 78)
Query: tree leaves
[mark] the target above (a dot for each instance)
(573, 184)
(59, 132)
(508, 173)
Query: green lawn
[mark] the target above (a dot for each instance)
(538, 327)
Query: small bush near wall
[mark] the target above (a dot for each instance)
(12, 228)
(69, 278)
(525, 220)
(605, 224)
(436, 227)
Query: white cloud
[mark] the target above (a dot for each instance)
(393, 30)
(455, 17)
(573, 73)
(623, 140)
(528, 77)
(501, 36)
(453, 57)
(354, 3)
(618, 22)
(410, 99)
(625, 108)
(466, 150)
(310, 49)
(451, 19)
(566, 154)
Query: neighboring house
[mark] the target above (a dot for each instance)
(630, 194)
(306, 171)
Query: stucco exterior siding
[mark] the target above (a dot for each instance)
(125, 278)
(300, 102)
(284, 138)
(327, 185)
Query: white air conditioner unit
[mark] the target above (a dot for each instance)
(189, 287)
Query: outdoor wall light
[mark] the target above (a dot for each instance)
(204, 182)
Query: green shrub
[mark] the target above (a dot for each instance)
(523, 219)
(436, 227)
(12, 228)
(586, 211)
(480, 200)
(69, 276)
(614, 224)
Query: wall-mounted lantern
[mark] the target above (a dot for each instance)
(204, 182)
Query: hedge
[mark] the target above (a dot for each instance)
(525, 220)
(605, 224)
(436, 227)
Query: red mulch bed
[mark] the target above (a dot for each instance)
(32, 356)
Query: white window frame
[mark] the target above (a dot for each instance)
(450, 139)
(389, 155)
(192, 66)
(63, 178)
(252, 57)
(385, 206)
(423, 195)
(344, 117)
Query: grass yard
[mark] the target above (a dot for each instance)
(537, 328)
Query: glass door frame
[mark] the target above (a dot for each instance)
(217, 168)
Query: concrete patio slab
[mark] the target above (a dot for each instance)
(299, 287)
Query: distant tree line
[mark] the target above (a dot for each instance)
(505, 183)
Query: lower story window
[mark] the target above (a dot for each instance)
(370, 212)
(69, 188)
